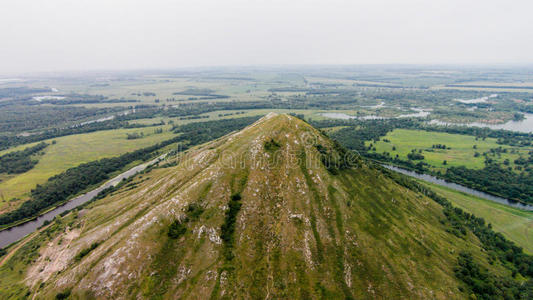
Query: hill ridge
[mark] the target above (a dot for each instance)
(276, 210)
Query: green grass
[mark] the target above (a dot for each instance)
(515, 224)
(71, 151)
(460, 154)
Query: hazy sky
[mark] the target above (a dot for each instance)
(55, 35)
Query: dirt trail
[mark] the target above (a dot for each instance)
(24, 242)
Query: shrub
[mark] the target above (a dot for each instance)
(228, 228)
(63, 295)
(86, 251)
(176, 230)
(272, 145)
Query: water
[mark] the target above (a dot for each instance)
(41, 98)
(420, 113)
(16, 233)
(477, 100)
(103, 119)
(525, 125)
(95, 121)
(461, 188)
(380, 105)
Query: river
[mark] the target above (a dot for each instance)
(461, 188)
(13, 234)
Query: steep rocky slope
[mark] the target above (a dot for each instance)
(276, 210)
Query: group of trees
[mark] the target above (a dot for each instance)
(495, 180)
(414, 155)
(14, 92)
(485, 285)
(17, 162)
(18, 118)
(134, 135)
(201, 132)
(439, 146)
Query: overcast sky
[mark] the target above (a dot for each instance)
(56, 35)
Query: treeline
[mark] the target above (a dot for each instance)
(12, 92)
(202, 132)
(70, 101)
(504, 137)
(17, 162)
(75, 180)
(19, 118)
(10, 141)
(495, 180)
(490, 86)
(354, 136)
(483, 284)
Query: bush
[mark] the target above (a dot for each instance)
(176, 230)
(63, 295)
(194, 211)
(228, 228)
(86, 251)
(272, 145)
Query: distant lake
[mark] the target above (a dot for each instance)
(525, 125)
(420, 113)
(41, 98)
(477, 100)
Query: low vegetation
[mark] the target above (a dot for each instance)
(227, 230)
(86, 251)
(176, 229)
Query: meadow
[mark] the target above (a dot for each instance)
(461, 153)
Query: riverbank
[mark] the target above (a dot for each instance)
(461, 188)
(15, 233)
(514, 223)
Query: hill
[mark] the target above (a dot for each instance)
(277, 210)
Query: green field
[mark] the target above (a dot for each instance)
(515, 224)
(461, 153)
(71, 151)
